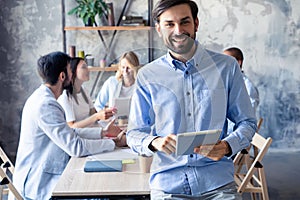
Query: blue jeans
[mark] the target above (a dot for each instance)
(227, 192)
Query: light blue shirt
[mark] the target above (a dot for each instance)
(252, 92)
(46, 144)
(254, 99)
(110, 90)
(173, 97)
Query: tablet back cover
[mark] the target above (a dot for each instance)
(186, 142)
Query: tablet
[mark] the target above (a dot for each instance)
(186, 142)
(123, 106)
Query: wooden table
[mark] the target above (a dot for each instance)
(75, 183)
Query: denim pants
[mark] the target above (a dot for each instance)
(227, 192)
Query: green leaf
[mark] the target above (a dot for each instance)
(89, 9)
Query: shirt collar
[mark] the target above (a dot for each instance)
(176, 64)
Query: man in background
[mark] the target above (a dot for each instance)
(46, 141)
(251, 89)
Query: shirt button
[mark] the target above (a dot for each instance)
(188, 93)
(191, 155)
(189, 114)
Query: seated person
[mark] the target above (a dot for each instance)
(120, 85)
(46, 141)
(251, 89)
(78, 106)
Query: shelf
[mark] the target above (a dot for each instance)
(103, 69)
(107, 28)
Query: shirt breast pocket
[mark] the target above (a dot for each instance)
(211, 106)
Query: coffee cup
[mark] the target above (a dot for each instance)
(145, 163)
(89, 61)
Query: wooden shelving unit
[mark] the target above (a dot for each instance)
(114, 30)
(107, 28)
(103, 69)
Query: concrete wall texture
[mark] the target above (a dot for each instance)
(268, 31)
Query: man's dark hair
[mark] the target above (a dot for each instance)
(237, 53)
(51, 65)
(162, 5)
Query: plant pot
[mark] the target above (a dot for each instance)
(89, 22)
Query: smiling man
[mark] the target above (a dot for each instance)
(189, 89)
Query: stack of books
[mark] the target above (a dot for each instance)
(133, 21)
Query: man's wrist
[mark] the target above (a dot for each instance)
(151, 147)
(228, 149)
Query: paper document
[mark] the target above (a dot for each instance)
(117, 154)
(123, 106)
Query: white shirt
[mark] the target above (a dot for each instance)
(126, 91)
(74, 111)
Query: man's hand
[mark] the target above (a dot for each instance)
(120, 140)
(214, 152)
(111, 130)
(165, 144)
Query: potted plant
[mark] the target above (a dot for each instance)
(87, 10)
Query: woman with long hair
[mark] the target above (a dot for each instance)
(120, 85)
(78, 106)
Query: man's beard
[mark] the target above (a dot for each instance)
(185, 47)
(67, 85)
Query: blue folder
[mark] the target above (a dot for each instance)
(103, 166)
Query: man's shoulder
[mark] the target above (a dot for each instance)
(161, 61)
(218, 55)
(40, 97)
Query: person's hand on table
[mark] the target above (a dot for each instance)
(165, 144)
(215, 151)
(111, 130)
(120, 140)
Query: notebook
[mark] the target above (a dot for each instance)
(103, 166)
(186, 142)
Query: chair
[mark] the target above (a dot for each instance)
(242, 157)
(249, 172)
(6, 185)
(4, 159)
(259, 123)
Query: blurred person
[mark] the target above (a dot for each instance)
(120, 85)
(78, 105)
(251, 89)
(46, 141)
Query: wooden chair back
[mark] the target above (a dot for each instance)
(6, 161)
(6, 171)
(249, 172)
